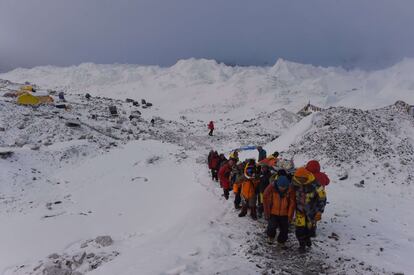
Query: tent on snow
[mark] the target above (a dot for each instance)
(45, 99)
(29, 99)
(15, 93)
(28, 88)
(23, 90)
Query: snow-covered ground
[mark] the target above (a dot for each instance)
(147, 186)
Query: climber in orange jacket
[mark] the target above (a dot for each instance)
(249, 184)
(279, 207)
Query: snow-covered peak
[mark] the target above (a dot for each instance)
(200, 71)
(199, 87)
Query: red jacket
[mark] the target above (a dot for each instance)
(314, 167)
(224, 175)
(214, 161)
(211, 125)
(210, 156)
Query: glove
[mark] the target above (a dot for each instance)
(318, 216)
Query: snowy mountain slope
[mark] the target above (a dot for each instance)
(351, 138)
(198, 88)
(147, 186)
(62, 188)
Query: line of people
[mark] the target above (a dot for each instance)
(273, 189)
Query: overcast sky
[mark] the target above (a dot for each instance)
(366, 33)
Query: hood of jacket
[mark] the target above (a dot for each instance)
(313, 166)
(303, 177)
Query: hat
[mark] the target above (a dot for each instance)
(302, 172)
(303, 176)
(249, 171)
(282, 182)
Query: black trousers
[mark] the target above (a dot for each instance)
(214, 174)
(276, 222)
(237, 199)
(211, 132)
(304, 234)
(260, 207)
(226, 193)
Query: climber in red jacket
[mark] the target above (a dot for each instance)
(211, 128)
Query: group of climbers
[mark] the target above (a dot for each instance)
(272, 188)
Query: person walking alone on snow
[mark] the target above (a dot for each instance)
(211, 128)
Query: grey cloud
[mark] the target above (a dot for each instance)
(366, 33)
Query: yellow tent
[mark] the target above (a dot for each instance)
(45, 99)
(28, 99)
(27, 88)
(15, 93)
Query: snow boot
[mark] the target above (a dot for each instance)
(308, 242)
(243, 211)
(270, 240)
(226, 193)
(302, 249)
(253, 213)
(260, 211)
(313, 232)
(282, 246)
(237, 201)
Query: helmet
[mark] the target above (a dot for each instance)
(250, 171)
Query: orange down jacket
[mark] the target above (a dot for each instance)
(269, 161)
(248, 188)
(279, 206)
